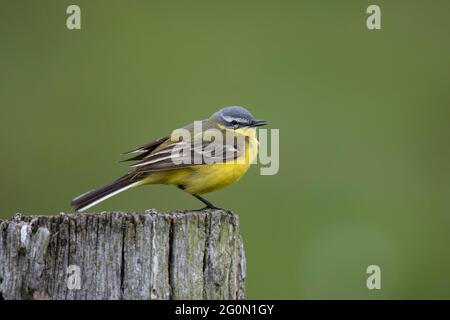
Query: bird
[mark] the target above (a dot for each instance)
(229, 136)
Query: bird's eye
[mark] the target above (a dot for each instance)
(234, 123)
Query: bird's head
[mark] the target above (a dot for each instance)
(236, 118)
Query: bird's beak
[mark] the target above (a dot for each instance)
(258, 123)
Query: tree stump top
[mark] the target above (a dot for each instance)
(122, 255)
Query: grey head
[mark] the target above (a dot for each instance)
(236, 117)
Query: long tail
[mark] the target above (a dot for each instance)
(93, 197)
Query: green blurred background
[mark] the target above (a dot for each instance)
(363, 118)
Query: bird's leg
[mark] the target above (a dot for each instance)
(209, 205)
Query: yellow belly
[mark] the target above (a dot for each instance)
(212, 177)
(206, 178)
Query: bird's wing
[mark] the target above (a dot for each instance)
(180, 154)
(146, 149)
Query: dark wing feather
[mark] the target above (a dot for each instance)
(146, 149)
(182, 154)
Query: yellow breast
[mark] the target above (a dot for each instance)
(212, 177)
(206, 178)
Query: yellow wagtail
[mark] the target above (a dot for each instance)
(203, 161)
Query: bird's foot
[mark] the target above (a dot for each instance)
(228, 212)
(210, 206)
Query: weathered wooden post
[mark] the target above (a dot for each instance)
(122, 255)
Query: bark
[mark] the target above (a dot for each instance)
(122, 255)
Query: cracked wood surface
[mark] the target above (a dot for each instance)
(121, 255)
